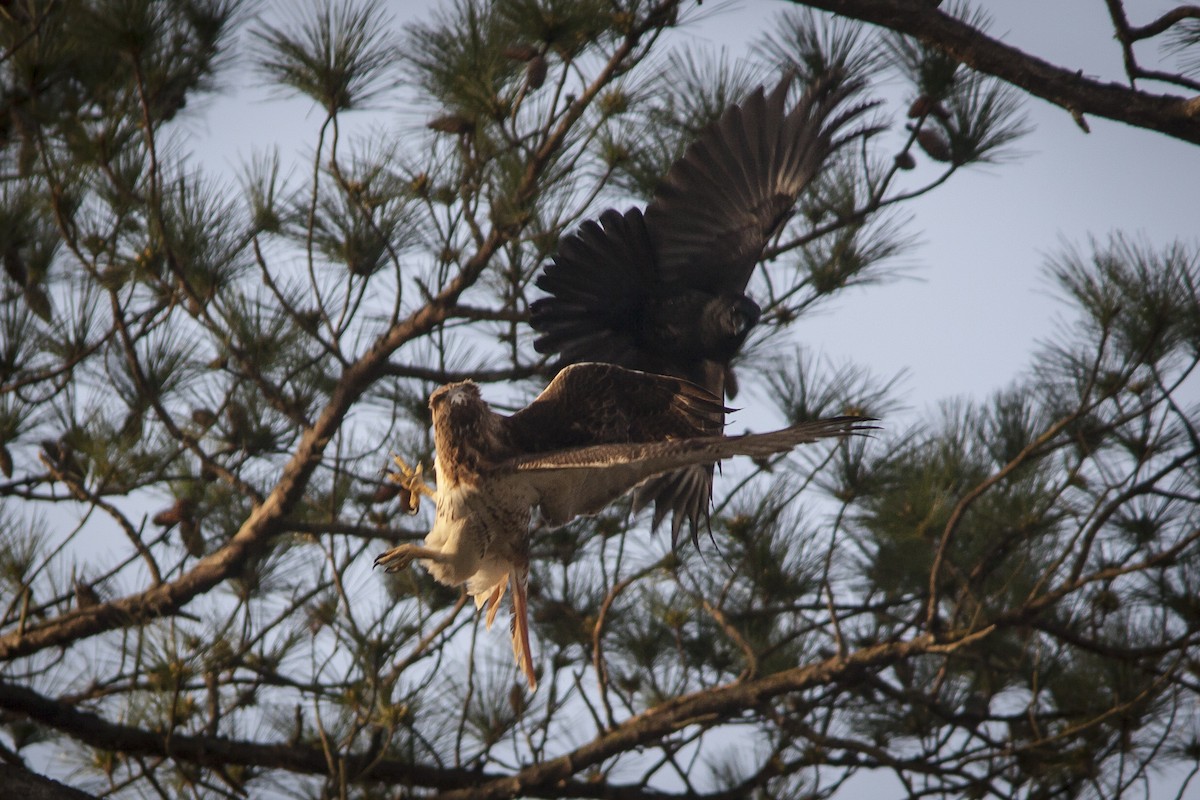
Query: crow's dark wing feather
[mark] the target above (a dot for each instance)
(599, 283)
(735, 186)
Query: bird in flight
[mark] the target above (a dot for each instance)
(663, 290)
(594, 433)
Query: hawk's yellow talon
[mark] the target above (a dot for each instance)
(412, 485)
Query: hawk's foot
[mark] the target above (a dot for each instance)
(412, 485)
(399, 558)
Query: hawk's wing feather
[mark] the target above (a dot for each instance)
(586, 479)
(686, 492)
(590, 403)
(736, 184)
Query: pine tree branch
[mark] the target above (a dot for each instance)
(1124, 33)
(1174, 116)
(709, 705)
(1035, 447)
(1165, 22)
(1040, 603)
(95, 731)
(269, 517)
(218, 752)
(552, 778)
(83, 495)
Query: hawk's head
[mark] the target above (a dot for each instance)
(454, 394)
(466, 432)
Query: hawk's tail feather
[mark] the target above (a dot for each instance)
(520, 630)
(493, 601)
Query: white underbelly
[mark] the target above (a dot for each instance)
(477, 531)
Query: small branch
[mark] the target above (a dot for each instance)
(1168, 114)
(978, 491)
(751, 668)
(1125, 35)
(1166, 21)
(598, 662)
(131, 533)
(428, 638)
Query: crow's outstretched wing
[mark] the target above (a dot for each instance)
(584, 480)
(705, 229)
(736, 185)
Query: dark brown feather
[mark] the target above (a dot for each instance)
(588, 404)
(721, 203)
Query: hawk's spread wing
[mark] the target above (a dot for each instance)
(721, 203)
(584, 480)
(591, 404)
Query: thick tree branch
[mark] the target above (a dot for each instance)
(1165, 22)
(18, 782)
(704, 706)
(1174, 116)
(218, 751)
(95, 731)
(551, 778)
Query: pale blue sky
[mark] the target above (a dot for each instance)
(975, 302)
(970, 320)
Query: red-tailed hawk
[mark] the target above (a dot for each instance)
(596, 432)
(664, 291)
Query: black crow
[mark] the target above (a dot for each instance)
(663, 290)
